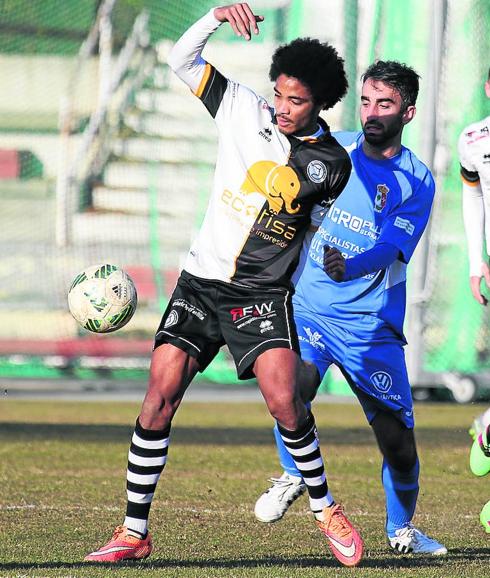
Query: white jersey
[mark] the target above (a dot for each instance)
(474, 156)
(265, 183)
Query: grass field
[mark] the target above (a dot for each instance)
(62, 473)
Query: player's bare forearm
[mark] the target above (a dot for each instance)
(241, 18)
(333, 263)
(475, 284)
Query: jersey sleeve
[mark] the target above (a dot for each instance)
(339, 170)
(381, 256)
(406, 223)
(214, 90)
(467, 165)
(474, 225)
(185, 57)
(186, 61)
(340, 175)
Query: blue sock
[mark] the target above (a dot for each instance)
(401, 490)
(285, 458)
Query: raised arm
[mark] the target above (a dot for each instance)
(241, 18)
(473, 220)
(474, 224)
(185, 57)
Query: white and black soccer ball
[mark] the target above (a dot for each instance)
(102, 298)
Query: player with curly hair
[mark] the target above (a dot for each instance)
(274, 164)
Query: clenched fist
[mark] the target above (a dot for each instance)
(333, 263)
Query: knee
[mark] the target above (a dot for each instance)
(158, 407)
(284, 409)
(401, 457)
(280, 403)
(396, 441)
(309, 381)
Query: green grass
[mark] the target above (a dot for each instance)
(62, 474)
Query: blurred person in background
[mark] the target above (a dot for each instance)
(274, 164)
(350, 297)
(474, 157)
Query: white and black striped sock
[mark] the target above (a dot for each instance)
(304, 448)
(146, 460)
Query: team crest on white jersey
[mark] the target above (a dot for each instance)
(317, 171)
(381, 196)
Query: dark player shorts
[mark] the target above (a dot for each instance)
(204, 315)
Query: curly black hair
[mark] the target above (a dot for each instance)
(399, 76)
(317, 65)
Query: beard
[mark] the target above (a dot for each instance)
(384, 133)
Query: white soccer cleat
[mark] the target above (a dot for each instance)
(274, 502)
(410, 539)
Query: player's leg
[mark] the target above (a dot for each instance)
(186, 341)
(289, 486)
(309, 381)
(400, 469)
(170, 373)
(400, 477)
(276, 370)
(378, 375)
(259, 330)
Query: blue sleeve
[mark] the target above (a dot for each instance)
(406, 223)
(380, 257)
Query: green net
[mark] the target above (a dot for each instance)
(142, 183)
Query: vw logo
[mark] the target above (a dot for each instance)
(381, 380)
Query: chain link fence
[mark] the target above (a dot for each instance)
(67, 69)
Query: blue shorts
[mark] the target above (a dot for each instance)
(372, 362)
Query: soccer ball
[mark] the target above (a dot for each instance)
(102, 298)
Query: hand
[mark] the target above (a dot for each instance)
(240, 17)
(475, 283)
(333, 263)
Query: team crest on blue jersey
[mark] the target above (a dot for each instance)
(317, 171)
(381, 196)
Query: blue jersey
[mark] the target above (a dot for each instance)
(384, 201)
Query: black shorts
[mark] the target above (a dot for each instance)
(204, 315)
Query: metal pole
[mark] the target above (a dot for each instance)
(349, 107)
(64, 182)
(418, 294)
(105, 54)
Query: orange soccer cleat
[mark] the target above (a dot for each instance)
(122, 546)
(344, 541)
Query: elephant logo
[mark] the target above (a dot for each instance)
(279, 184)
